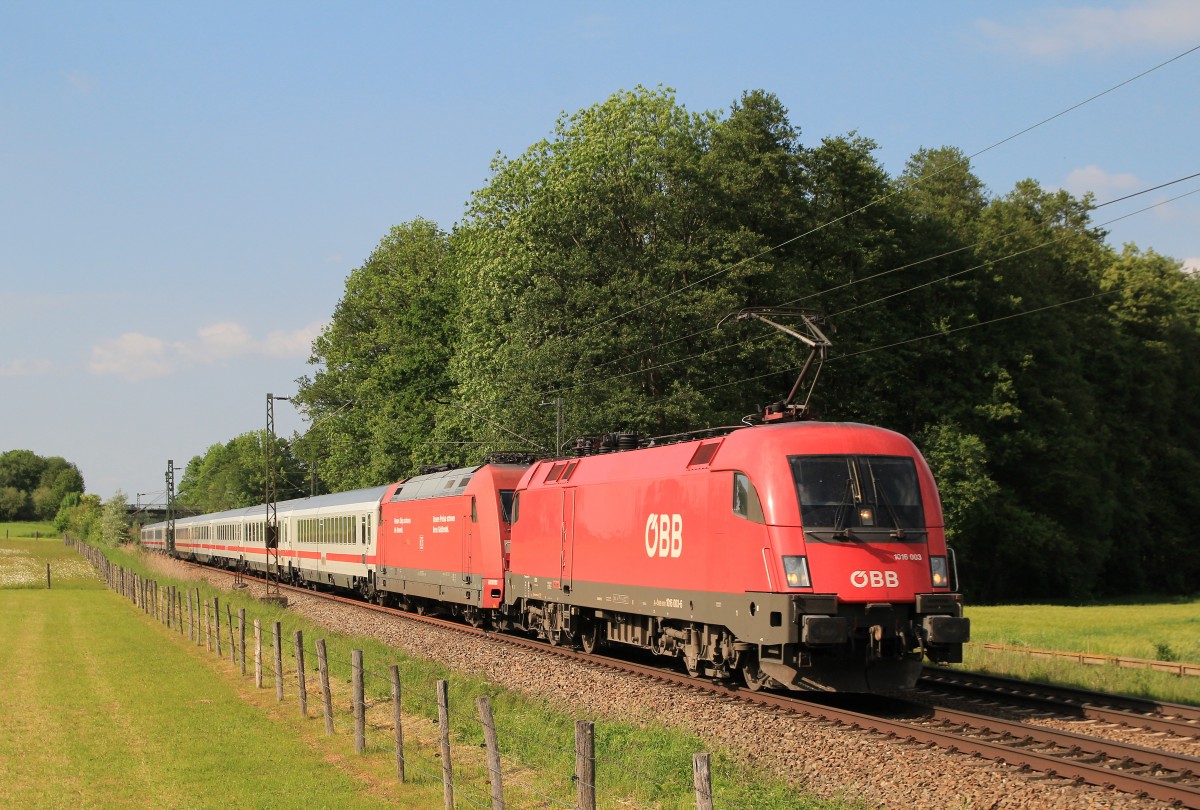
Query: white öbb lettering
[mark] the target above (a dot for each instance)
(664, 535)
(876, 579)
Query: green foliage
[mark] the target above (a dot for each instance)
(233, 474)
(32, 487)
(385, 358)
(634, 205)
(114, 521)
(1053, 383)
(13, 503)
(79, 517)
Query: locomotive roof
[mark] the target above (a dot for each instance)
(440, 484)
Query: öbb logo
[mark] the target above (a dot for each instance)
(876, 579)
(664, 535)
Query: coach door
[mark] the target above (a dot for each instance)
(568, 537)
(468, 537)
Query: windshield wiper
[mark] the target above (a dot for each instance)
(841, 532)
(898, 532)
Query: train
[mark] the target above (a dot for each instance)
(794, 554)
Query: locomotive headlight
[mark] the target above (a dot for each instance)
(939, 572)
(796, 569)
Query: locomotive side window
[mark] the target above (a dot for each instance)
(858, 492)
(745, 499)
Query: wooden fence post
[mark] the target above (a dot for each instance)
(360, 707)
(585, 763)
(394, 669)
(242, 634)
(277, 645)
(300, 673)
(197, 617)
(208, 625)
(217, 621)
(232, 642)
(47, 576)
(493, 751)
(326, 695)
(702, 778)
(257, 654)
(443, 701)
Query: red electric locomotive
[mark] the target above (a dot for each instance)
(442, 537)
(804, 554)
(800, 554)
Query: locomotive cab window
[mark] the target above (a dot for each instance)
(745, 499)
(508, 510)
(861, 494)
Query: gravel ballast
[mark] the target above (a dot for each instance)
(812, 755)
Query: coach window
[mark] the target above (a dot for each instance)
(745, 499)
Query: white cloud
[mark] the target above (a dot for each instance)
(1101, 183)
(26, 368)
(134, 356)
(80, 82)
(219, 342)
(297, 343)
(1191, 264)
(1056, 32)
(594, 26)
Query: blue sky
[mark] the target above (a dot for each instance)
(185, 187)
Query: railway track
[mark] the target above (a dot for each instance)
(1133, 769)
(1171, 718)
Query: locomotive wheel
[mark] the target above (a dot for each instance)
(691, 663)
(589, 636)
(756, 679)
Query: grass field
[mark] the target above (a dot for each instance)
(38, 529)
(1164, 631)
(113, 709)
(102, 708)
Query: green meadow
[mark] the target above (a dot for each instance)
(1167, 630)
(103, 708)
(111, 708)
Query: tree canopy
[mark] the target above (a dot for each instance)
(33, 487)
(233, 475)
(1050, 379)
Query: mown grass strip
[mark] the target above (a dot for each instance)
(100, 710)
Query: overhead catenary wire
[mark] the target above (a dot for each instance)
(764, 338)
(870, 204)
(817, 228)
(930, 336)
(884, 197)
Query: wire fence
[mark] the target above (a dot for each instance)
(481, 759)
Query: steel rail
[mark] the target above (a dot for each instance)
(1173, 718)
